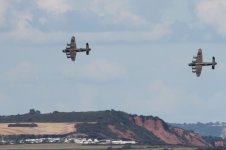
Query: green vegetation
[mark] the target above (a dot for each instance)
(36, 116)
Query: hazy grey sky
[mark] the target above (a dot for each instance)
(138, 63)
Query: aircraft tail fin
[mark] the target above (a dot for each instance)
(213, 63)
(87, 49)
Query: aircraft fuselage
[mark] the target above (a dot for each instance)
(202, 64)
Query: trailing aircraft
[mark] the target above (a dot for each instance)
(198, 63)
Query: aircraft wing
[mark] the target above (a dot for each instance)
(199, 58)
(198, 70)
(73, 55)
(72, 48)
(72, 44)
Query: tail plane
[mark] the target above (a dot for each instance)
(87, 49)
(213, 63)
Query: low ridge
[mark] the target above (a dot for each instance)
(113, 124)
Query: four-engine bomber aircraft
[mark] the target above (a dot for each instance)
(71, 49)
(197, 63)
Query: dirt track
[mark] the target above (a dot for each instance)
(43, 128)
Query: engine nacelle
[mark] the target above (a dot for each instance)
(65, 51)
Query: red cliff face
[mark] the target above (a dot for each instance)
(156, 127)
(190, 138)
(170, 134)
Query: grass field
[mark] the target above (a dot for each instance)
(84, 147)
(43, 128)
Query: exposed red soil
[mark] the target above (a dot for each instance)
(170, 135)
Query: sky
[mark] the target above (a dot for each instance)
(138, 62)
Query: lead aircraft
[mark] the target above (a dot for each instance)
(71, 49)
(198, 63)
